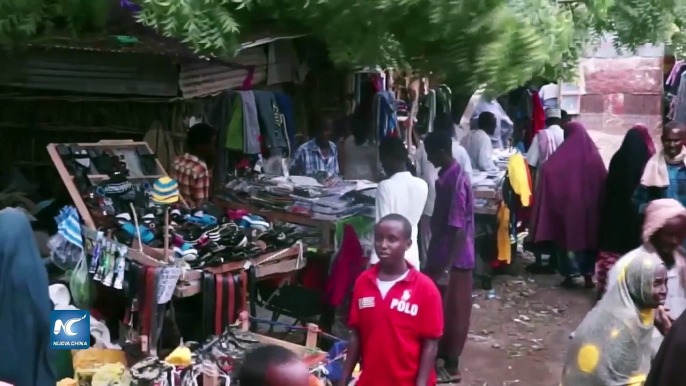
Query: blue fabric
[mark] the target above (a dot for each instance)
(286, 106)
(68, 226)
(335, 368)
(675, 190)
(24, 306)
(388, 116)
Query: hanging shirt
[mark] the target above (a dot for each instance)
(309, 159)
(405, 195)
(480, 150)
(538, 151)
(428, 172)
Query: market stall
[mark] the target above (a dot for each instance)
(496, 214)
(139, 239)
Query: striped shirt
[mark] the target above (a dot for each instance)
(193, 177)
(308, 159)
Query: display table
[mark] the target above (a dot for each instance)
(327, 228)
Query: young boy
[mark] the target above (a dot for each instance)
(396, 315)
(273, 366)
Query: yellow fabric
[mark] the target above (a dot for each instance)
(519, 178)
(181, 356)
(503, 237)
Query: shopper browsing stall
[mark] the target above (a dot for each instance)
(191, 170)
(273, 366)
(396, 315)
(401, 193)
(24, 306)
(318, 154)
(451, 251)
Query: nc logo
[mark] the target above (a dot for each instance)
(70, 330)
(66, 327)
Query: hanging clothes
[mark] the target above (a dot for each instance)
(234, 137)
(444, 100)
(503, 236)
(286, 107)
(426, 113)
(520, 180)
(271, 126)
(385, 114)
(251, 124)
(537, 117)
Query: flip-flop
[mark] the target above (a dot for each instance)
(444, 377)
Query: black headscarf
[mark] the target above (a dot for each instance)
(24, 305)
(620, 222)
(668, 368)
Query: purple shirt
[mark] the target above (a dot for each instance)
(454, 208)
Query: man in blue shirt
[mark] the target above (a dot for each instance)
(665, 173)
(317, 155)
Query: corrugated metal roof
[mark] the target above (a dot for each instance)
(203, 77)
(144, 44)
(85, 73)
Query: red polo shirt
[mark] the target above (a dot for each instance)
(392, 328)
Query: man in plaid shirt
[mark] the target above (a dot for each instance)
(318, 154)
(190, 170)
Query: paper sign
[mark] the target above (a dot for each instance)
(168, 279)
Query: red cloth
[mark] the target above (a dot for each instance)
(348, 265)
(537, 117)
(392, 328)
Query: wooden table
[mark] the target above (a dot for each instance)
(328, 228)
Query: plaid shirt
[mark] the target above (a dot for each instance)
(309, 159)
(193, 177)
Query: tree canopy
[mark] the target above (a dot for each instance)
(499, 42)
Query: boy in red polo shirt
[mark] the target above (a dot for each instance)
(396, 315)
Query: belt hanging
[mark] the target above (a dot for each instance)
(231, 304)
(219, 296)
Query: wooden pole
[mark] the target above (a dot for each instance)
(166, 235)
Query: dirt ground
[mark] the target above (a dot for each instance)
(521, 336)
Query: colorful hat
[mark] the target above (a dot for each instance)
(165, 191)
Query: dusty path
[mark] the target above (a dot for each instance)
(521, 337)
